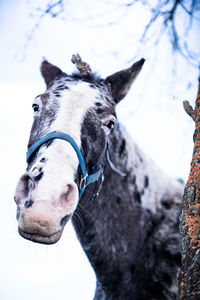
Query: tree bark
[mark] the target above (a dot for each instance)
(189, 277)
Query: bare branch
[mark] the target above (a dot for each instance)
(164, 17)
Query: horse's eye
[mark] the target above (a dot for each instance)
(110, 124)
(35, 107)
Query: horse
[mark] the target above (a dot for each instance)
(83, 166)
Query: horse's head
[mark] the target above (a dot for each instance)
(81, 107)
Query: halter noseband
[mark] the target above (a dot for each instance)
(86, 178)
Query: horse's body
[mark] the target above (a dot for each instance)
(130, 233)
(127, 225)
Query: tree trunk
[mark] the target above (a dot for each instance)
(189, 277)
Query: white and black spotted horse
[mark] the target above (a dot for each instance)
(83, 165)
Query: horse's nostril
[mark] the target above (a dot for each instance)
(64, 220)
(28, 203)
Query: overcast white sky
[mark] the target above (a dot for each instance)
(152, 113)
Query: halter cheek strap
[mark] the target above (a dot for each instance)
(86, 178)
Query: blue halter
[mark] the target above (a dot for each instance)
(86, 178)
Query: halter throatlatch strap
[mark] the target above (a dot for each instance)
(86, 178)
(114, 169)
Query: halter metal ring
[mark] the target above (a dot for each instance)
(83, 182)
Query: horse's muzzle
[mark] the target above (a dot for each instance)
(43, 213)
(48, 240)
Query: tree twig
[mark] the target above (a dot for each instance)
(82, 66)
(188, 108)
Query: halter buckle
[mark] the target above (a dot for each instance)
(83, 182)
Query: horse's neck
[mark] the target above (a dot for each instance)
(117, 225)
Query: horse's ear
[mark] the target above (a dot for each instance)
(121, 81)
(49, 72)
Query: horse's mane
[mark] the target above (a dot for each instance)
(91, 77)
